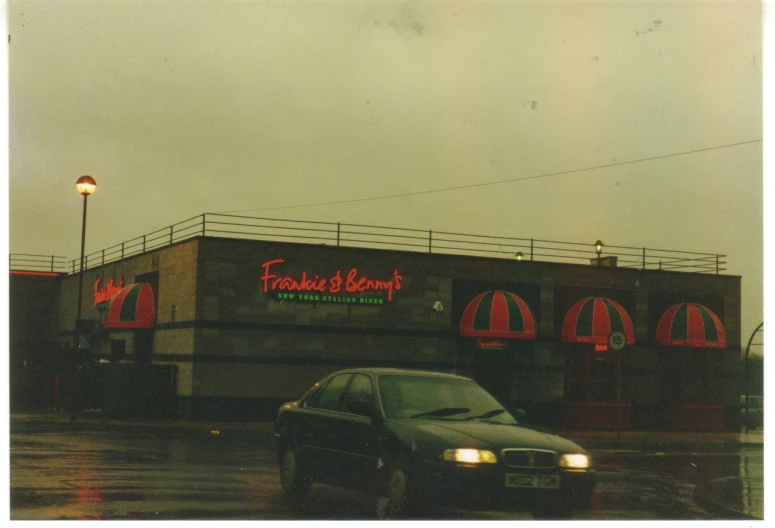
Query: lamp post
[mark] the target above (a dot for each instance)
(747, 350)
(85, 185)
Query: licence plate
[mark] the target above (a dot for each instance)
(521, 480)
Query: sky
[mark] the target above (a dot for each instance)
(267, 108)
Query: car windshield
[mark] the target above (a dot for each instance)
(439, 398)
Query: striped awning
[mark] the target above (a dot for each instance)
(498, 314)
(690, 325)
(593, 319)
(132, 307)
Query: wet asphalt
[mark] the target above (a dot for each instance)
(110, 469)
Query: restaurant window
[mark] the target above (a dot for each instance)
(691, 376)
(590, 376)
(117, 350)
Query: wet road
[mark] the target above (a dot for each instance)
(72, 471)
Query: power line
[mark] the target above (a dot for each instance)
(500, 182)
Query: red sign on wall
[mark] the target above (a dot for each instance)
(340, 282)
(106, 293)
(490, 344)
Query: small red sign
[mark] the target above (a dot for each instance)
(601, 348)
(106, 293)
(492, 344)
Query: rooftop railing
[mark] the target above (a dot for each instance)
(377, 237)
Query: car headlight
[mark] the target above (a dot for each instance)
(575, 461)
(470, 456)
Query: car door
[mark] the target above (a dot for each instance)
(319, 438)
(357, 434)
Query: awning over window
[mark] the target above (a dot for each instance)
(498, 314)
(692, 325)
(132, 307)
(593, 319)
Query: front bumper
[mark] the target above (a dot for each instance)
(484, 487)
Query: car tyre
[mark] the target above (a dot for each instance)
(396, 501)
(294, 482)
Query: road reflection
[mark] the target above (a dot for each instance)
(80, 474)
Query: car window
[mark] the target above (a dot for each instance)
(407, 396)
(359, 398)
(328, 396)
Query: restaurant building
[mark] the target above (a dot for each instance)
(249, 324)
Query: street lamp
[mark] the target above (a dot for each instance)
(518, 256)
(85, 185)
(598, 248)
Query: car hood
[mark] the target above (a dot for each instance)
(481, 434)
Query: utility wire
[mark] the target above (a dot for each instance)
(500, 182)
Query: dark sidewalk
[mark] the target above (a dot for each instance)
(722, 496)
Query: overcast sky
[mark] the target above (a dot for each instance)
(178, 108)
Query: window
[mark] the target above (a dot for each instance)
(407, 396)
(691, 376)
(359, 398)
(591, 376)
(328, 396)
(117, 350)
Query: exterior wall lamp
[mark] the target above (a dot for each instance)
(519, 255)
(598, 248)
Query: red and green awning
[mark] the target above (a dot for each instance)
(498, 314)
(593, 319)
(132, 307)
(691, 325)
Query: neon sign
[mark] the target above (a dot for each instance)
(490, 345)
(601, 348)
(102, 295)
(339, 283)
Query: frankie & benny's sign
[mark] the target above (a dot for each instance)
(339, 288)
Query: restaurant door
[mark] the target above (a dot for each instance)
(493, 370)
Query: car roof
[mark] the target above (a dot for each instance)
(386, 371)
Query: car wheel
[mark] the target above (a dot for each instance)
(295, 484)
(395, 501)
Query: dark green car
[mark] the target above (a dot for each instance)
(417, 438)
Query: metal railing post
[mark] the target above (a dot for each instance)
(144, 243)
(204, 223)
(531, 249)
(430, 238)
(52, 263)
(122, 250)
(644, 259)
(171, 228)
(338, 230)
(716, 264)
(103, 257)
